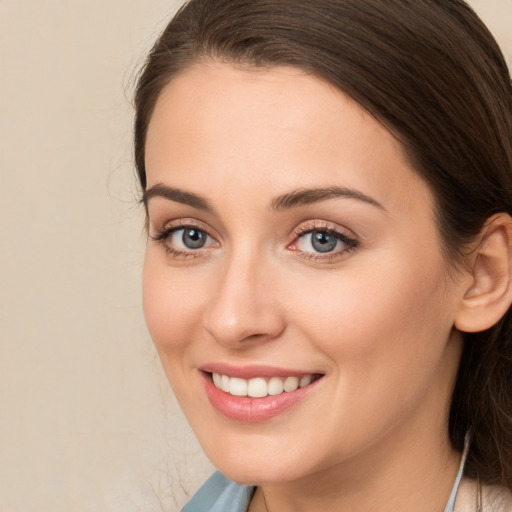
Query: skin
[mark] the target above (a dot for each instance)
(375, 319)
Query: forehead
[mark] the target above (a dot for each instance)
(238, 124)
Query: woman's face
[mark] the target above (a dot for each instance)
(290, 244)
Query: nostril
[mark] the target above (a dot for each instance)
(253, 337)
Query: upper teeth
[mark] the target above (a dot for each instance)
(259, 387)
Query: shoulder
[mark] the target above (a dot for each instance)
(219, 494)
(494, 498)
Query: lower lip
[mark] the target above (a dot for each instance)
(253, 410)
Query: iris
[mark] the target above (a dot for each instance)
(323, 242)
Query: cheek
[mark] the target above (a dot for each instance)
(384, 334)
(172, 307)
(389, 310)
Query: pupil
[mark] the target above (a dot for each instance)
(193, 238)
(323, 242)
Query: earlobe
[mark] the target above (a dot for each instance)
(489, 294)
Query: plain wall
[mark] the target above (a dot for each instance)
(87, 420)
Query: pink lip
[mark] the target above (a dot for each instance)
(253, 410)
(253, 371)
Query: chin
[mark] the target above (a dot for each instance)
(256, 474)
(258, 462)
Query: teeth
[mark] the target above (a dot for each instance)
(257, 388)
(224, 383)
(275, 386)
(260, 387)
(238, 387)
(291, 384)
(305, 381)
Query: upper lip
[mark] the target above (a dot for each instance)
(252, 371)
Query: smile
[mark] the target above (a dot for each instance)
(261, 387)
(256, 393)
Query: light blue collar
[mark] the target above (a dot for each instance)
(451, 502)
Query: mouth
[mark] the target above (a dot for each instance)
(256, 394)
(260, 387)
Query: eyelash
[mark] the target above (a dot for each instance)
(350, 242)
(163, 235)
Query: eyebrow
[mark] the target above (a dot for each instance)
(304, 196)
(294, 199)
(176, 195)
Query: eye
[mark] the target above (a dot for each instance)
(322, 242)
(184, 240)
(188, 238)
(319, 241)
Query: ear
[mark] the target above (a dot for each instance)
(489, 294)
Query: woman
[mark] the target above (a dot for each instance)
(328, 270)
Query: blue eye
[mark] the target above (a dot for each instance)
(192, 238)
(324, 241)
(186, 240)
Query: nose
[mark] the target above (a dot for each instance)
(244, 309)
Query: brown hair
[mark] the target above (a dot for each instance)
(431, 72)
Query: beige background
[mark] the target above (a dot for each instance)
(87, 422)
